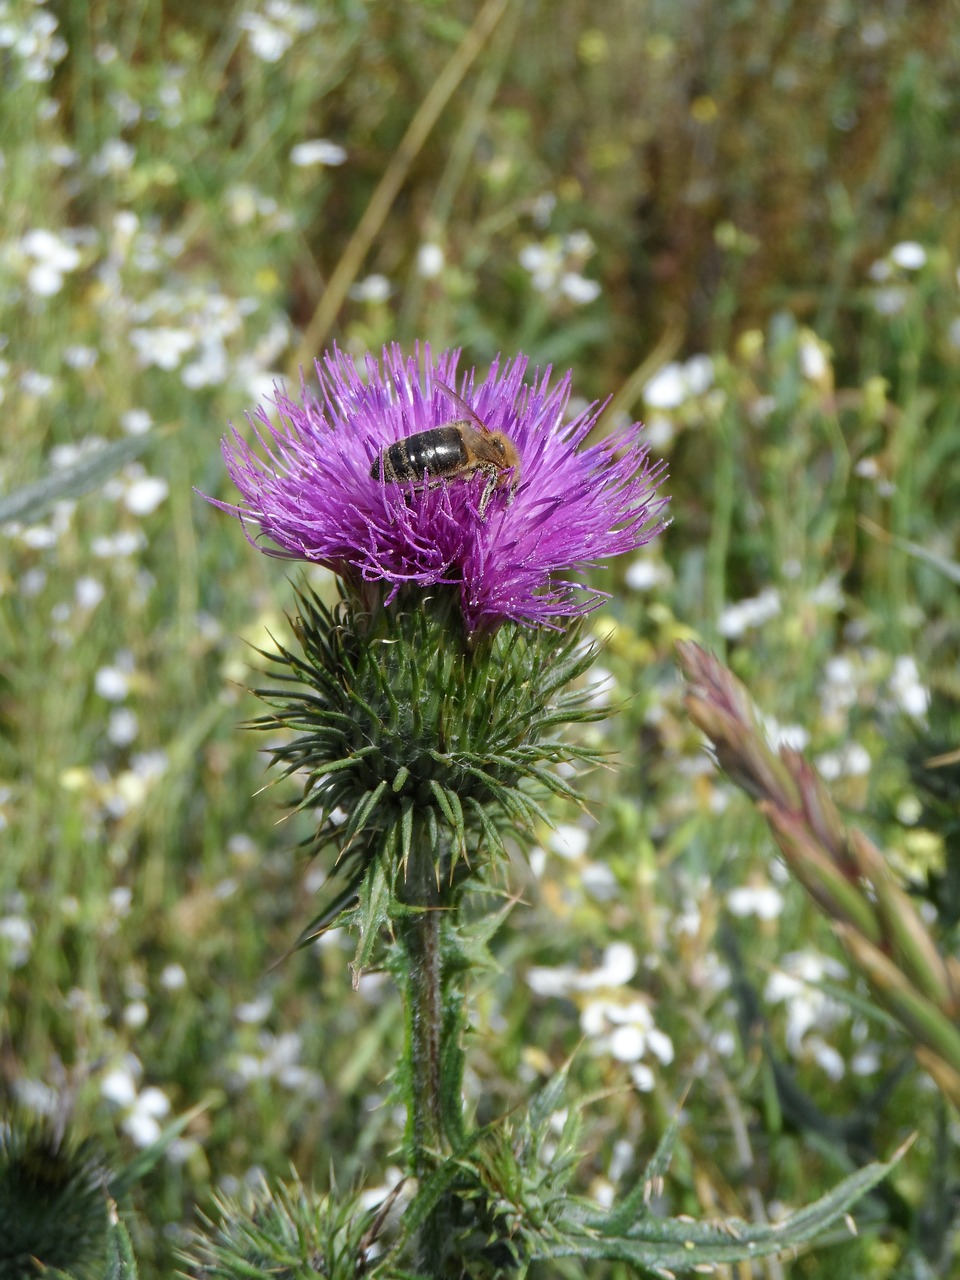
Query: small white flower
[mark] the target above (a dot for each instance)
(317, 151)
(142, 1122)
(52, 258)
(578, 288)
(121, 899)
(828, 594)
(873, 33)
(909, 255)
(88, 592)
(79, 357)
(544, 262)
(618, 967)
(268, 42)
(627, 1044)
(125, 224)
(796, 985)
(136, 1015)
(136, 422)
(114, 157)
(698, 374)
(851, 761)
(660, 432)
(889, 301)
(747, 614)
(145, 494)
(579, 244)
(375, 288)
(17, 933)
(254, 1011)
(163, 347)
(763, 901)
(430, 260)
(150, 765)
(865, 1062)
(645, 573)
(910, 695)
(33, 581)
(116, 546)
(34, 383)
(599, 881)
(112, 683)
(173, 977)
(828, 1059)
(123, 727)
(785, 735)
(119, 1086)
(643, 1077)
(210, 370)
(813, 360)
(660, 1045)
(541, 209)
(667, 389)
(39, 537)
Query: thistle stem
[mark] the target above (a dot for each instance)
(425, 1023)
(425, 1020)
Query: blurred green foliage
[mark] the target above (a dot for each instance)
(745, 182)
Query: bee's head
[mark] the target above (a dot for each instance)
(508, 458)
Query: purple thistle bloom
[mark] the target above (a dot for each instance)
(317, 491)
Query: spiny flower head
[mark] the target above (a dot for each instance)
(321, 487)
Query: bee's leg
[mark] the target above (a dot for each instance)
(488, 490)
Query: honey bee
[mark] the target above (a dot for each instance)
(451, 452)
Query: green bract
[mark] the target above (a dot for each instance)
(421, 747)
(53, 1203)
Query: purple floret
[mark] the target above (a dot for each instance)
(310, 490)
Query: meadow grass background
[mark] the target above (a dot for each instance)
(739, 220)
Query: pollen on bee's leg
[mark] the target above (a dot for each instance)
(488, 491)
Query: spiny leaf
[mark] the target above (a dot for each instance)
(665, 1244)
(121, 1263)
(372, 912)
(635, 1204)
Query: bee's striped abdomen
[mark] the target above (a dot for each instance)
(438, 452)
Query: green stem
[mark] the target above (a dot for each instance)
(424, 997)
(425, 1017)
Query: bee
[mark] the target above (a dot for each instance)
(452, 452)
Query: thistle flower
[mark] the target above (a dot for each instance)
(514, 550)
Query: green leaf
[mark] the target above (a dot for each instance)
(372, 915)
(358, 819)
(635, 1204)
(33, 501)
(665, 1245)
(406, 836)
(451, 808)
(121, 1263)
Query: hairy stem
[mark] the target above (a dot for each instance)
(425, 1021)
(424, 992)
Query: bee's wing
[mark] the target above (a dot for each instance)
(461, 404)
